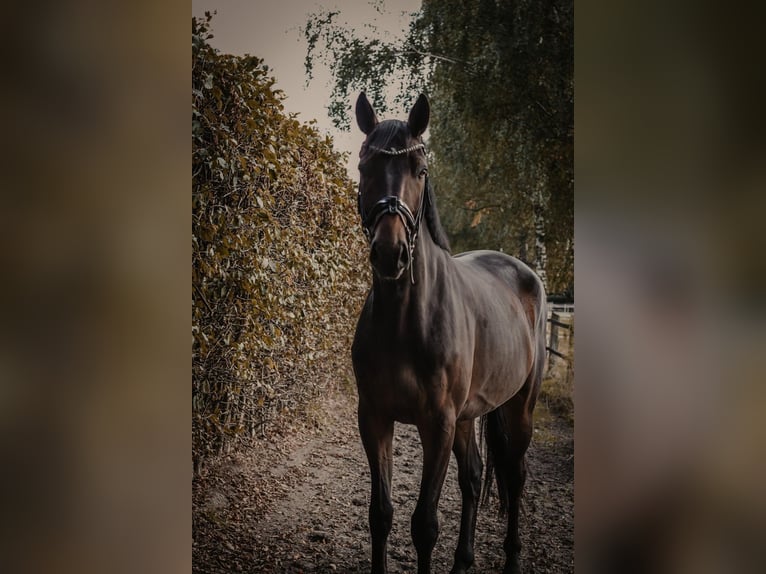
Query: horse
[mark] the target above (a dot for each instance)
(440, 341)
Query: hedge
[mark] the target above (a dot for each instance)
(278, 269)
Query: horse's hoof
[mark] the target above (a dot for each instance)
(512, 566)
(461, 566)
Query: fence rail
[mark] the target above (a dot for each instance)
(555, 352)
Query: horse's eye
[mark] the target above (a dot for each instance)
(423, 172)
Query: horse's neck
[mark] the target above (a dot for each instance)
(405, 300)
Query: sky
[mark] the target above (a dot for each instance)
(270, 30)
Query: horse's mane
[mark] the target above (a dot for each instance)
(395, 133)
(432, 219)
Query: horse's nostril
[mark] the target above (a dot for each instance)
(389, 258)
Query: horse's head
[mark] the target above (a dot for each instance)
(392, 185)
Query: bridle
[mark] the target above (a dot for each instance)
(392, 205)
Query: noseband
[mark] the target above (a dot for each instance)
(392, 205)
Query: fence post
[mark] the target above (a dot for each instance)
(554, 338)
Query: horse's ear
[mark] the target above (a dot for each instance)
(365, 115)
(419, 114)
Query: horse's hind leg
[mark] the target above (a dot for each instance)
(377, 436)
(520, 420)
(511, 427)
(469, 476)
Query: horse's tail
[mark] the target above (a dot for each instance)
(494, 435)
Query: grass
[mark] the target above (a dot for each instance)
(556, 394)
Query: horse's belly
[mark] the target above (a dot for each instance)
(492, 386)
(475, 406)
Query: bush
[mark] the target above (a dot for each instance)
(277, 268)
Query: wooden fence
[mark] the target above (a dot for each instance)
(561, 337)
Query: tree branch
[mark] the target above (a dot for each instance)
(434, 56)
(542, 107)
(199, 292)
(483, 207)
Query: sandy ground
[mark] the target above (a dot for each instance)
(297, 502)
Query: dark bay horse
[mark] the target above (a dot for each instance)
(440, 341)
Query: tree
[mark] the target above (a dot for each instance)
(500, 79)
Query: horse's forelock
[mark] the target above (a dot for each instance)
(387, 134)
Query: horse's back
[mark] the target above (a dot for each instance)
(513, 273)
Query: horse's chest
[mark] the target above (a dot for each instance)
(398, 380)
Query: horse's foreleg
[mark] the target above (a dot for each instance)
(469, 476)
(377, 435)
(437, 436)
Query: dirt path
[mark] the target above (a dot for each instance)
(299, 504)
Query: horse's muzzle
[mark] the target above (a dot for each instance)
(389, 260)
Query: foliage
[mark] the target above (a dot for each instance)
(500, 79)
(370, 63)
(276, 276)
